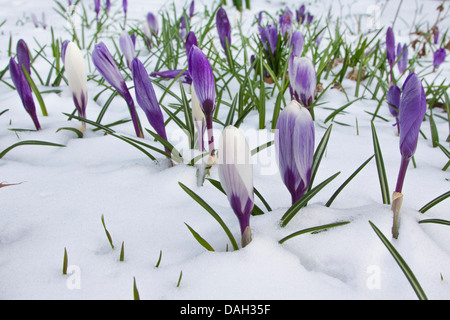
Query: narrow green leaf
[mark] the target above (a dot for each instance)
(438, 221)
(36, 91)
(179, 279)
(295, 208)
(211, 211)
(78, 132)
(135, 290)
(159, 259)
(200, 240)
(29, 143)
(318, 154)
(312, 230)
(434, 202)
(107, 233)
(65, 262)
(402, 264)
(122, 253)
(380, 167)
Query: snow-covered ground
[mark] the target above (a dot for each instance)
(62, 194)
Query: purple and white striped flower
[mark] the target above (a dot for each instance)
(303, 80)
(24, 90)
(146, 98)
(75, 70)
(402, 54)
(127, 47)
(412, 110)
(106, 66)
(223, 28)
(294, 143)
(236, 176)
(204, 86)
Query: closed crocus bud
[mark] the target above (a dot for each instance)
(153, 23)
(127, 47)
(125, 6)
(223, 28)
(390, 46)
(297, 43)
(106, 66)
(24, 90)
(438, 57)
(402, 54)
(75, 70)
(236, 176)
(411, 114)
(97, 7)
(269, 38)
(182, 28)
(285, 22)
(23, 55)
(300, 14)
(393, 100)
(436, 34)
(146, 98)
(199, 119)
(191, 40)
(192, 9)
(63, 49)
(294, 143)
(303, 80)
(204, 86)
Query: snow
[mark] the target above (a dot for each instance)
(63, 193)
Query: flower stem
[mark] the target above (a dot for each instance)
(209, 128)
(401, 174)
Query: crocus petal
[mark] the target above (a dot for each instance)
(172, 74)
(223, 28)
(303, 79)
(153, 23)
(393, 99)
(191, 40)
(203, 79)
(146, 98)
(236, 173)
(63, 49)
(269, 38)
(97, 6)
(438, 57)
(127, 47)
(402, 54)
(192, 8)
(285, 22)
(75, 70)
(390, 46)
(23, 55)
(125, 6)
(411, 114)
(297, 43)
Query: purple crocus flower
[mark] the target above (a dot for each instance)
(309, 18)
(108, 5)
(402, 54)
(191, 40)
(185, 77)
(393, 100)
(125, 6)
(97, 7)
(436, 34)
(23, 55)
(390, 49)
(192, 9)
(35, 20)
(63, 49)
(285, 22)
(24, 90)
(223, 28)
(438, 58)
(182, 27)
(300, 14)
(297, 43)
(105, 64)
(303, 80)
(153, 23)
(127, 47)
(412, 110)
(269, 38)
(294, 143)
(146, 98)
(236, 176)
(204, 85)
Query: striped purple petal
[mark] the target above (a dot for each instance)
(223, 28)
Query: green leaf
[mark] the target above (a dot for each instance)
(312, 230)
(347, 181)
(438, 221)
(380, 167)
(122, 253)
(211, 211)
(200, 240)
(295, 208)
(434, 202)
(65, 262)
(135, 290)
(402, 264)
(318, 154)
(159, 259)
(29, 143)
(78, 132)
(107, 233)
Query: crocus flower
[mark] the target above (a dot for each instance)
(309, 18)
(108, 5)
(269, 38)
(24, 90)
(393, 100)
(185, 77)
(127, 47)
(204, 85)
(147, 33)
(300, 14)
(146, 98)
(182, 27)
(192, 9)
(125, 6)
(297, 43)
(438, 58)
(105, 64)
(75, 70)
(285, 22)
(63, 49)
(236, 176)
(35, 20)
(153, 23)
(390, 46)
(97, 7)
(294, 143)
(402, 54)
(199, 119)
(191, 40)
(223, 28)
(435, 34)
(411, 114)
(23, 55)
(303, 79)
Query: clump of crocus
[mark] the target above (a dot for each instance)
(438, 58)
(106, 66)
(390, 51)
(411, 114)
(204, 86)
(294, 143)
(24, 90)
(75, 70)
(402, 54)
(223, 29)
(146, 98)
(303, 80)
(393, 100)
(236, 176)
(127, 47)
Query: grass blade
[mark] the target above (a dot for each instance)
(65, 262)
(318, 154)
(200, 240)
(135, 290)
(402, 264)
(107, 233)
(313, 229)
(434, 202)
(380, 167)
(438, 221)
(29, 143)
